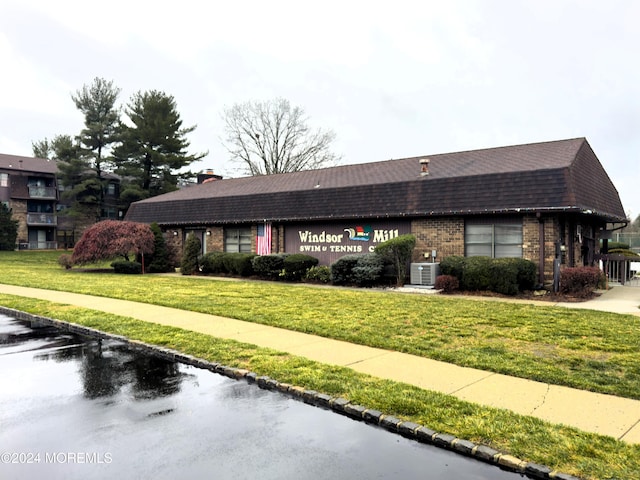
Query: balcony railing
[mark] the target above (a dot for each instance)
(42, 192)
(37, 245)
(42, 219)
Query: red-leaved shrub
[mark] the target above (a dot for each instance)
(447, 283)
(579, 281)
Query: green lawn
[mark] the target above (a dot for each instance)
(579, 348)
(582, 349)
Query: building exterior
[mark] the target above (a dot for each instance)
(548, 202)
(29, 188)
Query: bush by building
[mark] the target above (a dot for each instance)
(123, 266)
(191, 256)
(342, 270)
(239, 263)
(270, 266)
(447, 283)
(212, 263)
(295, 266)
(398, 251)
(507, 276)
(319, 274)
(580, 281)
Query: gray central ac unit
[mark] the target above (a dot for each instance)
(424, 273)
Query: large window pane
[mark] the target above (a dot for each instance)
(499, 238)
(237, 240)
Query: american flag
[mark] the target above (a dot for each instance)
(263, 241)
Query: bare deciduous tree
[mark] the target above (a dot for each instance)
(273, 137)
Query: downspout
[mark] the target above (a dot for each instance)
(542, 251)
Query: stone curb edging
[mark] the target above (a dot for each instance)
(339, 405)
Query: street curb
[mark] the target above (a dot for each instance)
(339, 405)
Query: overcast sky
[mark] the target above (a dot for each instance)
(391, 79)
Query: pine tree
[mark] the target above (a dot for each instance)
(8, 229)
(154, 148)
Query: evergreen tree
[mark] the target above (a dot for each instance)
(154, 148)
(159, 261)
(8, 229)
(190, 256)
(97, 103)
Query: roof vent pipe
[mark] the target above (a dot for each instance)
(424, 167)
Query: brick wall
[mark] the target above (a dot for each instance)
(445, 235)
(215, 241)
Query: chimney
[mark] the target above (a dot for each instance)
(208, 176)
(424, 167)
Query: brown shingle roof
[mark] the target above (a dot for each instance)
(27, 164)
(546, 176)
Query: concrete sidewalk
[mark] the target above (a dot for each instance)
(592, 412)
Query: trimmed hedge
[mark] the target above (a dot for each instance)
(295, 266)
(213, 263)
(342, 270)
(507, 276)
(239, 263)
(368, 270)
(123, 266)
(269, 266)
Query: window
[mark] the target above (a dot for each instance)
(237, 240)
(111, 189)
(497, 238)
(4, 179)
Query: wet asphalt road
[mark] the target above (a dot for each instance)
(74, 408)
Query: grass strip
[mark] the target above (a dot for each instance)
(563, 448)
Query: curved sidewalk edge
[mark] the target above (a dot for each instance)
(592, 412)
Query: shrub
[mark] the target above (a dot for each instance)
(399, 250)
(319, 274)
(8, 229)
(159, 261)
(453, 266)
(623, 251)
(476, 274)
(503, 273)
(190, 256)
(269, 266)
(296, 265)
(213, 262)
(65, 261)
(368, 270)
(579, 281)
(617, 245)
(123, 266)
(527, 274)
(342, 270)
(447, 283)
(239, 263)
